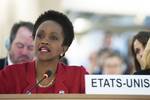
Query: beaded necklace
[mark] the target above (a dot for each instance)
(44, 86)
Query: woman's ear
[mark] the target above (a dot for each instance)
(65, 48)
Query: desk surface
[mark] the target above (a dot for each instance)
(71, 97)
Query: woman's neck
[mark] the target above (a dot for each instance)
(43, 66)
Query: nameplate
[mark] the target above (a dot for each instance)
(117, 84)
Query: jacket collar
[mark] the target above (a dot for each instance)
(60, 86)
(9, 62)
(30, 77)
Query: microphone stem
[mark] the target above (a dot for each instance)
(30, 90)
(40, 81)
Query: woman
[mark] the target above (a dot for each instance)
(53, 34)
(137, 47)
(146, 61)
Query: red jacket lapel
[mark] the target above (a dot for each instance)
(30, 78)
(60, 86)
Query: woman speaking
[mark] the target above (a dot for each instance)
(53, 34)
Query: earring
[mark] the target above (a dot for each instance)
(61, 54)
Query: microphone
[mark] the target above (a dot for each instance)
(47, 74)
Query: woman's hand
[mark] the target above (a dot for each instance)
(146, 56)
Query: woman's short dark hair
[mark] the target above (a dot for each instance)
(16, 27)
(61, 19)
(142, 37)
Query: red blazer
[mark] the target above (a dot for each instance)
(20, 78)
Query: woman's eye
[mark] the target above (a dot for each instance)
(39, 35)
(53, 38)
(137, 51)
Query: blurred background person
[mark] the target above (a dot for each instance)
(113, 64)
(145, 69)
(100, 58)
(137, 47)
(93, 62)
(20, 45)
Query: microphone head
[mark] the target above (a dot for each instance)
(48, 73)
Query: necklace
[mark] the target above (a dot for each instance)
(44, 86)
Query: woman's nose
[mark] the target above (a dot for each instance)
(45, 41)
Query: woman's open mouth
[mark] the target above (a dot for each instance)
(44, 49)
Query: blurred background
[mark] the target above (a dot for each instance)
(97, 23)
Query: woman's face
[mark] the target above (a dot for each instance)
(49, 41)
(138, 49)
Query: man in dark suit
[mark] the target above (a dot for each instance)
(20, 46)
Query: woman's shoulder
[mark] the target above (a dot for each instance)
(73, 68)
(143, 72)
(17, 67)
